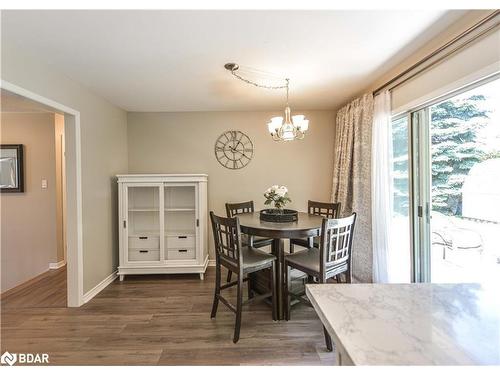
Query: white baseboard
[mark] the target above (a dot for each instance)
(99, 287)
(55, 266)
(211, 263)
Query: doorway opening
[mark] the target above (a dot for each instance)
(41, 227)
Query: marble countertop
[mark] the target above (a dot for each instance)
(412, 324)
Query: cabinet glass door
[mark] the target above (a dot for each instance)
(143, 223)
(180, 221)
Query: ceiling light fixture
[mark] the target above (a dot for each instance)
(292, 127)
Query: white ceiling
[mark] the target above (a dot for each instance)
(173, 60)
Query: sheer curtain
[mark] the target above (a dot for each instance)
(382, 188)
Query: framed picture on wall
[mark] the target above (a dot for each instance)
(11, 169)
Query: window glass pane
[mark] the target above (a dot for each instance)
(400, 167)
(399, 257)
(465, 168)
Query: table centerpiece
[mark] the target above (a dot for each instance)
(278, 196)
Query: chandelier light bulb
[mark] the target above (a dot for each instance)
(293, 127)
(304, 126)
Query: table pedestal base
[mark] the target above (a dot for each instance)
(260, 281)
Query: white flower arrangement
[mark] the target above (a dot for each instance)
(278, 195)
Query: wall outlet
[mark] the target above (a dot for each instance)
(44, 184)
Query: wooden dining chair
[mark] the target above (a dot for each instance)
(333, 258)
(242, 261)
(328, 210)
(233, 209)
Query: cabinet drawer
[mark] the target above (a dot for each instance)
(144, 242)
(143, 255)
(188, 253)
(180, 241)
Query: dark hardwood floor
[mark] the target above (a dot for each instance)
(50, 291)
(149, 320)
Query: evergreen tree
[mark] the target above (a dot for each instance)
(455, 150)
(454, 127)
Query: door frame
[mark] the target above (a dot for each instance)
(420, 193)
(74, 220)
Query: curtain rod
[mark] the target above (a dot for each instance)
(393, 83)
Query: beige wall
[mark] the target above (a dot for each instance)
(28, 221)
(103, 151)
(184, 143)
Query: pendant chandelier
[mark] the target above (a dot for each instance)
(289, 129)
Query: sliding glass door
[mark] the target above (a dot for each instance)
(453, 193)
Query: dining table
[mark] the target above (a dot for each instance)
(306, 226)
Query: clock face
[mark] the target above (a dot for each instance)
(233, 149)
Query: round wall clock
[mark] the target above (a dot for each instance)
(233, 149)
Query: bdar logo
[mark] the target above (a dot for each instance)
(23, 358)
(8, 358)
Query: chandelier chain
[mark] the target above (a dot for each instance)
(287, 82)
(259, 85)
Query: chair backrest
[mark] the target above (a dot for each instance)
(336, 242)
(227, 238)
(239, 208)
(328, 210)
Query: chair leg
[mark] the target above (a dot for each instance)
(239, 307)
(348, 276)
(286, 294)
(273, 291)
(328, 340)
(229, 274)
(292, 247)
(217, 291)
(249, 286)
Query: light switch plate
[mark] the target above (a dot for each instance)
(44, 184)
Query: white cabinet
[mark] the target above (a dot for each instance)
(163, 224)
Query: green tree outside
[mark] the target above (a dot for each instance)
(455, 149)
